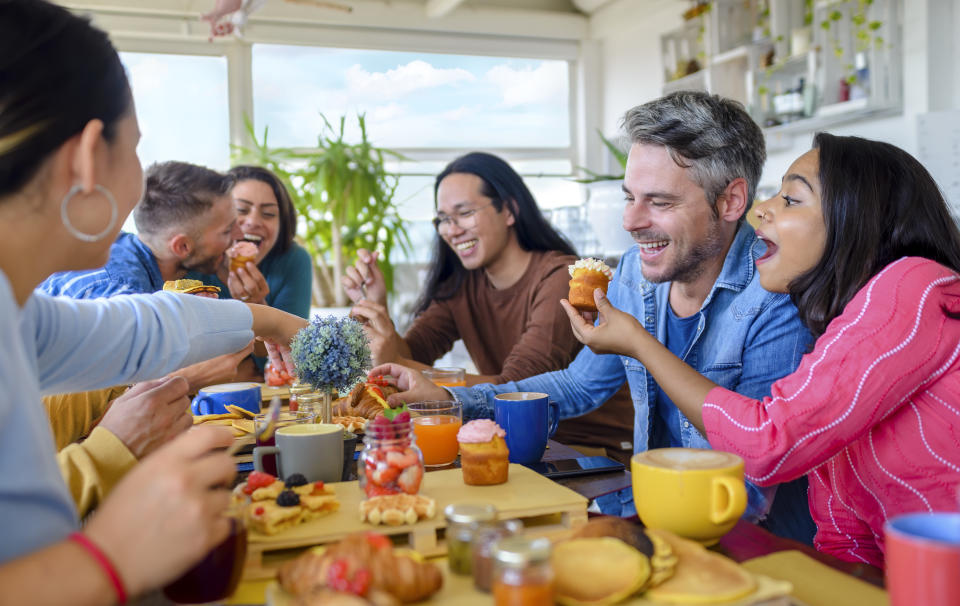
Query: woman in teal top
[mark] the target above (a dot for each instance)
(281, 275)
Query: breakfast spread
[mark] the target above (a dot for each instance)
(397, 509)
(586, 275)
(597, 571)
(276, 505)
(483, 453)
(236, 421)
(361, 564)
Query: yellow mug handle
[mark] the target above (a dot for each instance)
(736, 499)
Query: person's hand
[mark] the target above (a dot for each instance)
(167, 513)
(150, 414)
(617, 332)
(248, 284)
(280, 358)
(222, 369)
(386, 344)
(364, 281)
(413, 386)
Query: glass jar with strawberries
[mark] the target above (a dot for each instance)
(390, 462)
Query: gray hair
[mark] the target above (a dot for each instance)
(712, 136)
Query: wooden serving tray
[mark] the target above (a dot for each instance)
(545, 507)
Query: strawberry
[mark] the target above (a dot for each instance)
(409, 480)
(361, 582)
(372, 490)
(318, 488)
(258, 511)
(258, 479)
(378, 380)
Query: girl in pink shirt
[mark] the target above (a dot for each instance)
(861, 239)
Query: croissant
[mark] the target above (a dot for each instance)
(399, 575)
(362, 401)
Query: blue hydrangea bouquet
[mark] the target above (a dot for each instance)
(331, 353)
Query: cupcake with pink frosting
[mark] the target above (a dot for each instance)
(241, 253)
(483, 453)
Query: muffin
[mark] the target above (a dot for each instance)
(483, 453)
(241, 253)
(585, 276)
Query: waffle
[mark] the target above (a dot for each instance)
(397, 509)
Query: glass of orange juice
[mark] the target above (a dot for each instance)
(435, 424)
(447, 377)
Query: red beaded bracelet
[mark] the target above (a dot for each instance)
(105, 563)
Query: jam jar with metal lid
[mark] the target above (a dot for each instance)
(462, 521)
(485, 538)
(296, 390)
(522, 575)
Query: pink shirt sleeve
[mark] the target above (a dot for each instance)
(891, 340)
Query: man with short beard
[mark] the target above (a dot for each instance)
(691, 175)
(185, 221)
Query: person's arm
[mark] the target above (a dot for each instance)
(893, 338)
(620, 333)
(179, 490)
(74, 415)
(93, 467)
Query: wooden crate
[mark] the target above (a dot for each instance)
(545, 507)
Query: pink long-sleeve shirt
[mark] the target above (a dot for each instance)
(872, 414)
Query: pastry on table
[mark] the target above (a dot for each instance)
(367, 400)
(397, 509)
(700, 576)
(586, 275)
(351, 424)
(483, 453)
(597, 571)
(276, 506)
(361, 563)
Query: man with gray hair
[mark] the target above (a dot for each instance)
(692, 172)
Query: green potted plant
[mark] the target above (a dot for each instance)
(344, 198)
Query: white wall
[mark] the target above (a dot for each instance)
(629, 35)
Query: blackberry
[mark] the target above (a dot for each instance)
(288, 498)
(294, 480)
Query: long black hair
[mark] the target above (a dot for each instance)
(57, 72)
(287, 213)
(879, 204)
(503, 186)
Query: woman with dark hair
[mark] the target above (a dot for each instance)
(281, 274)
(69, 176)
(861, 238)
(497, 272)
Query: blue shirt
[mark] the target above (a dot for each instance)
(131, 269)
(60, 345)
(746, 339)
(680, 333)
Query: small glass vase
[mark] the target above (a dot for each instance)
(391, 461)
(319, 402)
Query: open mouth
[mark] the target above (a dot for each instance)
(466, 245)
(653, 248)
(253, 238)
(771, 248)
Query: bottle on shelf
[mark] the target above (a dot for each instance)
(860, 88)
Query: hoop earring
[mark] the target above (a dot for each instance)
(76, 233)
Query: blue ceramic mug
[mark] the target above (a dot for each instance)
(211, 400)
(529, 418)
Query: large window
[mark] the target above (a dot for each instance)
(432, 107)
(181, 103)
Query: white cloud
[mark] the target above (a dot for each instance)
(461, 113)
(382, 113)
(405, 79)
(527, 86)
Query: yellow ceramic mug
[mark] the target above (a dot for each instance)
(697, 494)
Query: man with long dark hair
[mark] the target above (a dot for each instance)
(694, 163)
(497, 272)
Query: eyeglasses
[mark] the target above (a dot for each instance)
(464, 219)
